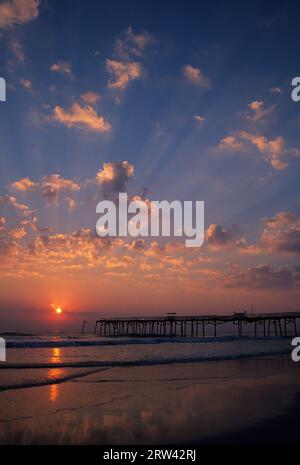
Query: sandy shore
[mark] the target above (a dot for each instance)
(245, 401)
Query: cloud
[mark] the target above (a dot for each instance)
(155, 250)
(23, 185)
(243, 247)
(82, 117)
(10, 201)
(281, 220)
(17, 233)
(195, 76)
(218, 236)
(8, 247)
(17, 50)
(137, 244)
(2, 222)
(230, 143)
(50, 186)
(262, 276)
(62, 67)
(276, 90)
(282, 233)
(274, 150)
(121, 74)
(82, 251)
(91, 98)
(124, 67)
(114, 176)
(199, 118)
(17, 12)
(132, 44)
(71, 204)
(259, 111)
(77, 249)
(119, 262)
(26, 84)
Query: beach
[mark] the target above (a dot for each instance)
(227, 391)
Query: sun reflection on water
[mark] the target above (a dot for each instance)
(55, 374)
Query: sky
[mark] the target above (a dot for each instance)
(164, 100)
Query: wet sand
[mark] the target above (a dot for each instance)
(233, 402)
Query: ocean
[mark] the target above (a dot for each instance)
(77, 355)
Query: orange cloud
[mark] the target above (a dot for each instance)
(276, 90)
(71, 204)
(114, 176)
(50, 186)
(245, 248)
(18, 12)
(260, 112)
(121, 74)
(23, 185)
(132, 44)
(81, 117)
(230, 143)
(125, 68)
(17, 50)
(282, 233)
(218, 236)
(274, 150)
(17, 233)
(199, 118)
(119, 262)
(26, 84)
(91, 98)
(262, 276)
(10, 201)
(62, 67)
(195, 76)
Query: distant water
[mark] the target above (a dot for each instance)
(38, 359)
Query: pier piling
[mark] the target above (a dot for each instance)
(273, 324)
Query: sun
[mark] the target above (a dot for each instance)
(57, 309)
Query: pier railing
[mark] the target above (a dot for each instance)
(264, 324)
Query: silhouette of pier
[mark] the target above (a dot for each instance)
(261, 324)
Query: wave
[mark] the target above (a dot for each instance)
(46, 381)
(96, 366)
(37, 366)
(17, 334)
(44, 372)
(80, 342)
(148, 362)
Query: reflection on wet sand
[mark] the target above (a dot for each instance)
(56, 355)
(55, 373)
(190, 403)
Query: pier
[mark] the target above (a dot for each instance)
(256, 324)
